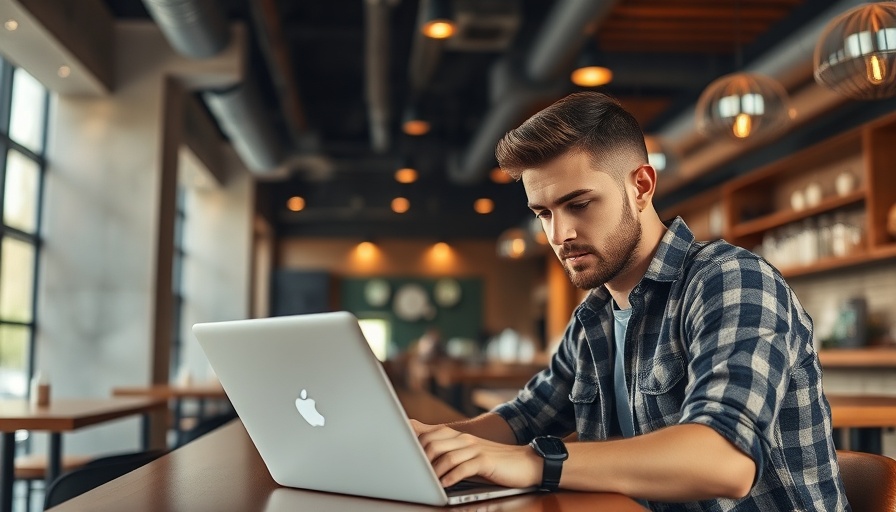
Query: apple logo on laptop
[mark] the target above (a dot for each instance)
(308, 411)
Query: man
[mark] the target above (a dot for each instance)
(688, 373)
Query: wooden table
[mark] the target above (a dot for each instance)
(850, 358)
(223, 471)
(455, 380)
(866, 416)
(62, 415)
(176, 393)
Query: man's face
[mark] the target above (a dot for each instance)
(585, 213)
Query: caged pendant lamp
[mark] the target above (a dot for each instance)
(743, 106)
(856, 53)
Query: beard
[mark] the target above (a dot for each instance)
(616, 259)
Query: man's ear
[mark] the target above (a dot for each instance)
(644, 181)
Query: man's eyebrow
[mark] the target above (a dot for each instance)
(562, 199)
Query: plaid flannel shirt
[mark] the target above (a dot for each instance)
(717, 338)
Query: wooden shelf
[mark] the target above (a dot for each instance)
(782, 218)
(858, 358)
(764, 196)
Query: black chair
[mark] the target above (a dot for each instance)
(205, 426)
(95, 473)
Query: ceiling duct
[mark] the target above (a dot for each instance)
(198, 29)
(239, 112)
(562, 35)
(195, 28)
(376, 61)
(484, 25)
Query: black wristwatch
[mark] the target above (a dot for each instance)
(553, 451)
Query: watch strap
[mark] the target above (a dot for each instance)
(550, 478)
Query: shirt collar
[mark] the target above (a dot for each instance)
(668, 262)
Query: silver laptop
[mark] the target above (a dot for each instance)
(321, 410)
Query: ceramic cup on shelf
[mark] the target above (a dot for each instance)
(813, 194)
(845, 183)
(798, 200)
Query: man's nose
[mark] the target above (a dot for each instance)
(562, 230)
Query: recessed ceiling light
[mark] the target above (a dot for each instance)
(497, 175)
(484, 205)
(406, 175)
(64, 71)
(400, 205)
(296, 203)
(11, 25)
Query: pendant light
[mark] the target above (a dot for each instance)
(743, 106)
(590, 71)
(856, 53)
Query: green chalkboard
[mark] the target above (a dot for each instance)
(463, 319)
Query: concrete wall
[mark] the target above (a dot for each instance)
(216, 273)
(96, 290)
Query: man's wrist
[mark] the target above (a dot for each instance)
(553, 453)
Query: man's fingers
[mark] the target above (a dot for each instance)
(453, 466)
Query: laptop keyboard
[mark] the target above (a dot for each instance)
(467, 485)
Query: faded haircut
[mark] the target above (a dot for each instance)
(590, 122)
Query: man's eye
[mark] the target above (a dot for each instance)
(580, 205)
(542, 214)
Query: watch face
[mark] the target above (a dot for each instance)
(551, 447)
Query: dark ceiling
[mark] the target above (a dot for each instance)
(345, 136)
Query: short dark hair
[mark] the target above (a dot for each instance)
(590, 122)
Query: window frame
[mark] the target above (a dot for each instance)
(7, 71)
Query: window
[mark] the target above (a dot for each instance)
(23, 117)
(376, 330)
(177, 283)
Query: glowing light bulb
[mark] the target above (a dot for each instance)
(743, 125)
(438, 29)
(876, 69)
(591, 76)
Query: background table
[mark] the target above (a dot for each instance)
(61, 415)
(454, 381)
(223, 471)
(866, 416)
(176, 394)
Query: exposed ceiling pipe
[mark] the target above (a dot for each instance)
(195, 28)
(790, 62)
(271, 38)
(563, 33)
(376, 59)
(238, 112)
(426, 53)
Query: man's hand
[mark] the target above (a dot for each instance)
(456, 456)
